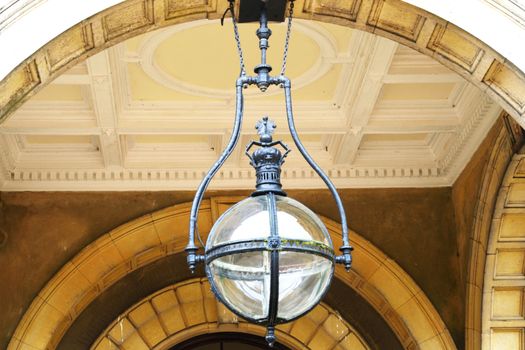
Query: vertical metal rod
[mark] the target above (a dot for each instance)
(191, 248)
(274, 245)
(263, 32)
(274, 259)
(346, 259)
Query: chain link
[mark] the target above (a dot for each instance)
(287, 39)
(237, 40)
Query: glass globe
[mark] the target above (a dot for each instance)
(239, 263)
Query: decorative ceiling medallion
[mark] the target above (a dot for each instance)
(146, 57)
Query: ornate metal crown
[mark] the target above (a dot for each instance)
(267, 159)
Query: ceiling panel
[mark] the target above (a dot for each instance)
(65, 93)
(155, 112)
(416, 91)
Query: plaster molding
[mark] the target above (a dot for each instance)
(96, 179)
(317, 33)
(377, 58)
(104, 107)
(454, 129)
(360, 51)
(188, 178)
(460, 15)
(505, 84)
(476, 127)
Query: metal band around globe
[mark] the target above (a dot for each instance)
(235, 248)
(291, 245)
(261, 321)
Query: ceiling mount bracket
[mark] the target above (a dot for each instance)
(250, 10)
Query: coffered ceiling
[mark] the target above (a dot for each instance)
(155, 112)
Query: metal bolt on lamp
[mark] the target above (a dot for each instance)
(269, 258)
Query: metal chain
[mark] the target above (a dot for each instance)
(287, 39)
(237, 39)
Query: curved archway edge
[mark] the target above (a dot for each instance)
(394, 19)
(378, 279)
(502, 284)
(322, 328)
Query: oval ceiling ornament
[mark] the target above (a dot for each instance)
(147, 57)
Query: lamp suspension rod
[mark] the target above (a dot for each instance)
(264, 33)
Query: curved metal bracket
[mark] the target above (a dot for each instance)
(346, 248)
(193, 258)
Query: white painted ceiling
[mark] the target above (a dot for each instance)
(155, 112)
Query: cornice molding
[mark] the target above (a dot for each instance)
(476, 127)
(95, 179)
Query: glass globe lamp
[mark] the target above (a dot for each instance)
(269, 259)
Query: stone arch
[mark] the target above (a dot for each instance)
(409, 25)
(189, 309)
(503, 313)
(502, 149)
(375, 277)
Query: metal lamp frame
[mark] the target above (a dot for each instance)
(268, 186)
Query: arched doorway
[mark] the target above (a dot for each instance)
(176, 318)
(134, 249)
